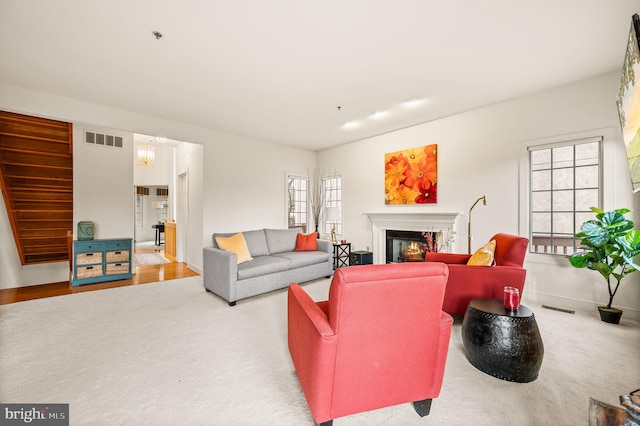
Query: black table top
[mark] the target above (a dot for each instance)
(159, 226)
(495, 306)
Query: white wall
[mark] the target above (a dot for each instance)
(189, 162)
(243, 185)
(103, 183)
(246, 184)
(479, 155)
(10, 267)
(162, 170)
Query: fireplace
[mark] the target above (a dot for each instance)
(441, 224)
(410, 246)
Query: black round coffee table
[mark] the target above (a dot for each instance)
(505, 344)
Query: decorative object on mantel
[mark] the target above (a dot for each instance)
(332, 216)
(437, 241)
(608, 245)
(484, 199)
(411, 176)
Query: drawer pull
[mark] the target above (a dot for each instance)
(118, 252)
(89, 254)
(89, 267)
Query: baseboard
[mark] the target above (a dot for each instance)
(580, 305)
(194, 268)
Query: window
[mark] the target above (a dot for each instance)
(565, 180)
(139, 210)
(297, 207)
(332, 189)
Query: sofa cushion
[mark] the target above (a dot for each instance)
(256, 241)
(235, 244)
(308, 242)
(281, 240)
(263, 265)
(299, 259)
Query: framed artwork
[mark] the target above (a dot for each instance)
(629, 103)
(411, 176)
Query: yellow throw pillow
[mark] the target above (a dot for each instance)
(235, 244)
(484, 255)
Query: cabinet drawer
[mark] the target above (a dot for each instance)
(88, 246)
(88, 258)
(118, 256)
(117, 268)
(118, 245)
(88, 271)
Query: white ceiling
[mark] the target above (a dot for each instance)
(278, 70)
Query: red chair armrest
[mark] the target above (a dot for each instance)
(302, 309)
(312, 345)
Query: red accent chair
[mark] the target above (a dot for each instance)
(468, 282)
(380, 340)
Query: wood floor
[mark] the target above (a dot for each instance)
(144, 274)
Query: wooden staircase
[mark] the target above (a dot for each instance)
(36, 179)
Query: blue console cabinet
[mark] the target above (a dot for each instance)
(96, 261)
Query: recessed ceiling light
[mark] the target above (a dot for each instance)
(414, 102)
(378, 114)
(350, 125)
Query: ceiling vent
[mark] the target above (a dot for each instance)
(102, 139)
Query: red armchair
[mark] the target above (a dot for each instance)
(468, 282)
(380, 340)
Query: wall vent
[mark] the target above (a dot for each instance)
(553, 308)
(102, 139)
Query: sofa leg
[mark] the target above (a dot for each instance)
(422, 407)
(232, 303)
(327, 423)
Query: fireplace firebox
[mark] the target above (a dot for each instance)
(409, 246)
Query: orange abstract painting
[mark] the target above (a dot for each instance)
(411, 176)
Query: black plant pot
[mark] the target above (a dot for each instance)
(610, 315)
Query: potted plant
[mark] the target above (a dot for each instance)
(608, 245)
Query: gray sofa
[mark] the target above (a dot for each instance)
(275, 264)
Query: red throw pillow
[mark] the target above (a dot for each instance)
(307, 242)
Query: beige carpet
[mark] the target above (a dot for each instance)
(149, 259)
(171, 354)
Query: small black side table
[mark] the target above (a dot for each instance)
(361, 258)
(341, 255)
(505, 344)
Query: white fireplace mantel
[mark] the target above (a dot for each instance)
(418, 222)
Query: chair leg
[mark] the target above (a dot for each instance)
(422, 407)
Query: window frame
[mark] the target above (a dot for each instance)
(139, 210)
(606, 188)
(301, 177)
(331, 201)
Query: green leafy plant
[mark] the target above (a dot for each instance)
(608, 245)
